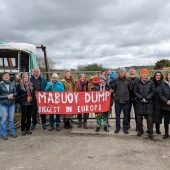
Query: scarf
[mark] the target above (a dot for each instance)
(102, 87)
(144, 81)
(82, 86)
(29, 97)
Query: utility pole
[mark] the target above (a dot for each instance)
(46, 59)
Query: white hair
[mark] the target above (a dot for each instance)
(54, 75)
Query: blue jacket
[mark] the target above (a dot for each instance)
(56, 87)
(4, 93)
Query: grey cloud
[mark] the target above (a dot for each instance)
(110, 32)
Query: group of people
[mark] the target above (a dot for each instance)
(150, 99)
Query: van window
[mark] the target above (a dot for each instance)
(8, 59)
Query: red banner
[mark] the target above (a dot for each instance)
(73, 102)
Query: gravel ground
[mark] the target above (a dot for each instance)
(80, 149)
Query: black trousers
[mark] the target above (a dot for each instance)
(26, 112)
(83, 116)
(149, 121)
(166, 115)
(129, 114)
(34, 116)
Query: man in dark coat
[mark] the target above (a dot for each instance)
(144, 91)
(133, 81)
(39, 84)
(121, 87)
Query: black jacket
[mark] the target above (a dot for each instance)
(165, 95)
(133, 81)
(157, 103)
(144, 91)
(22, 94)
(122, 88)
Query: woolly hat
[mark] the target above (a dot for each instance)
(103, 77)
(144, 71)
(122, 69)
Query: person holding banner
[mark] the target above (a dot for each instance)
(7, 106)
(69, 86)
(82, 85)
(39, 84)
(26, 99)
(54, 86)
(103, 86)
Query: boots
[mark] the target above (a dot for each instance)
(69, 124)
(166, 132)
(80, 125)
(85, 125)
(158, 129)
(65, 124)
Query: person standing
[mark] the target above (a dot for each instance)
(133, 81)
(7, 106)
(69, 86)
(103, 86)
(54, 86)
(26, 99)
(157, 115)
(144, 91)
(82, 85)
(39, 84)
(165, 97)
(121, 87)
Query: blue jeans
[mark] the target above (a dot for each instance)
(118, 108)
(57, 120)
(7, 110)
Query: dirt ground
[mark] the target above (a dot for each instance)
(80, 149)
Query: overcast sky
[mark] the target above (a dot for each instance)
(110, 32)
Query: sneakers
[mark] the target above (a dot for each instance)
(126, 132)
(85, 125)
(79, 125)
(117, 131)
(58, 129)
(28, 132)
(44, 126)
(4, 137)
(158, 132)
(14, 135)
(98, 129)
(23, 133)
(165, 136)
(33, 127)
(51, 129)
(106, 129)
(150, 135)
(140, 133)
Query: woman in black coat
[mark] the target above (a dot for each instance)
(157, 115)
(26, 99)
(165, 97)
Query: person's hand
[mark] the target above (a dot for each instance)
(51, 83)
(144, 100)
(10, 96)
(168, 103)
(111, 91)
